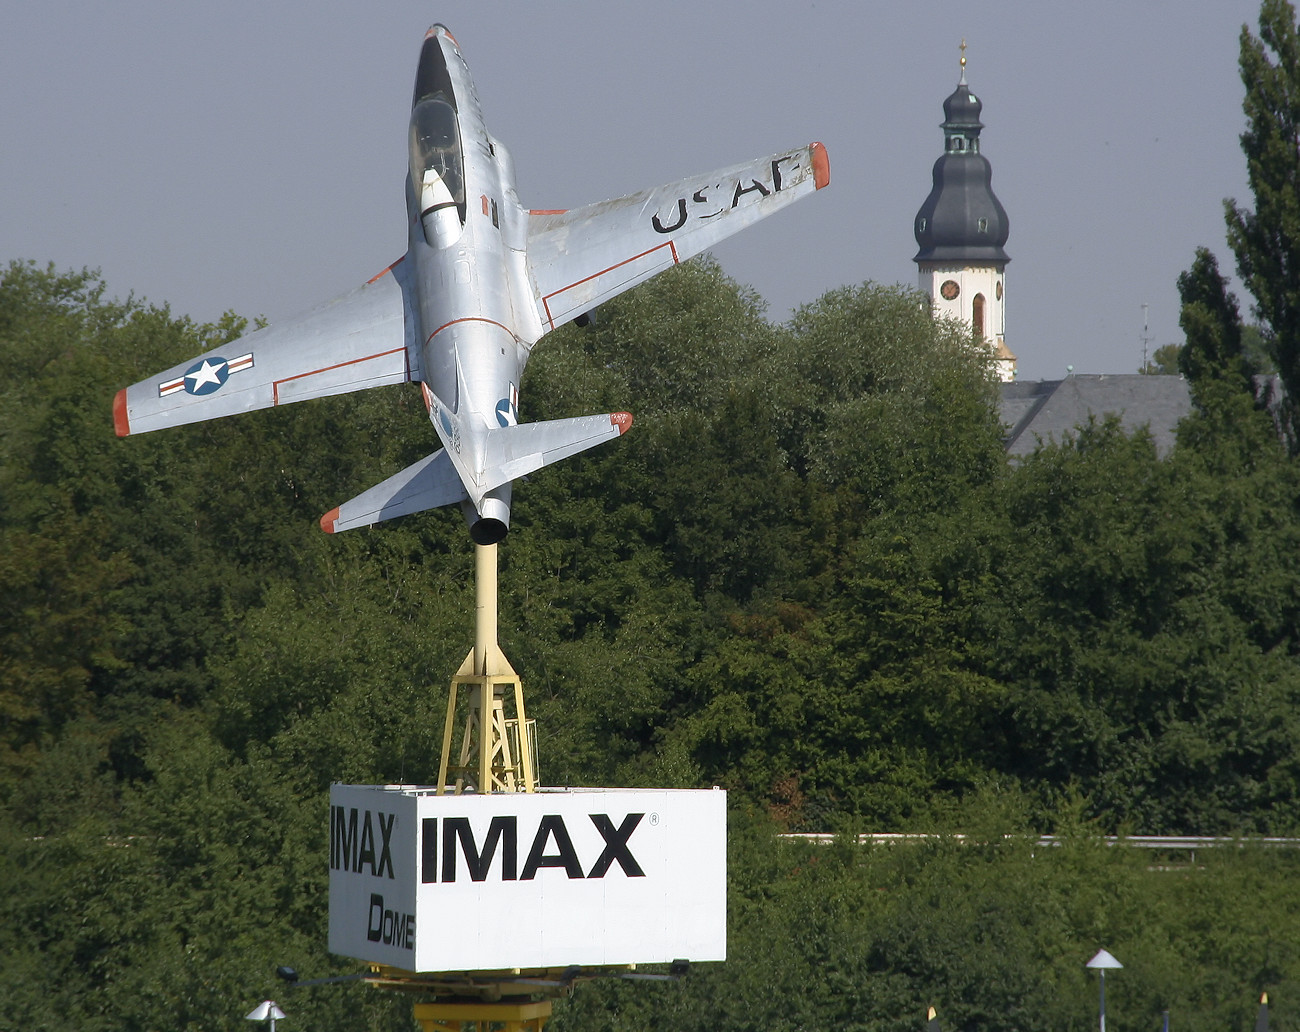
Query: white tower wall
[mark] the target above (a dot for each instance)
(986, 283)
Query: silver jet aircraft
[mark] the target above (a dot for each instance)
(482, 280)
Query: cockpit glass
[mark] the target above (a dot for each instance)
(435, 144)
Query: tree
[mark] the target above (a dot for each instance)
(1148, 608)
(1163, 361)
(808, 575)
(1266, 241)
(1212, 323)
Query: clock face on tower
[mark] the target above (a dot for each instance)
(949, 290)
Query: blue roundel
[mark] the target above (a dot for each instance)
(506, 414)
(207, 376)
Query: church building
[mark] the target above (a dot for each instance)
(961, 229)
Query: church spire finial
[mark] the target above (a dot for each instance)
(963, 62)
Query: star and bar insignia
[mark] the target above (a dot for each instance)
(206, 376)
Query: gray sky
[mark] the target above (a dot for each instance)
(244, 156)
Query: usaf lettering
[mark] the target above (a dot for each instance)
(503, 834)
(701, 197)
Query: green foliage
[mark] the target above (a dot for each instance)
(871, 395)
(1210, 319)
(1163, 361)
(1134, 592)
(992, 929)
(807, 574)
(1266, 241)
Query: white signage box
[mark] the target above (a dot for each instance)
(586, 877)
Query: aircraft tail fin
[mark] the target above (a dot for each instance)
(516, 451)
(428, 484)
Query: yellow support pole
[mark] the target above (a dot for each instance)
(512, 1017)
(492, 759)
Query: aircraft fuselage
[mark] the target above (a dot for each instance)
(468, 243)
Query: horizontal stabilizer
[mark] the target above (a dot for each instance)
(516, 451)
(428, 484)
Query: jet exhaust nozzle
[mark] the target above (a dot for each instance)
(490, 522)
(488, 532)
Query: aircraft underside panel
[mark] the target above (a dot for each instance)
(428, 484)
(514, 452)
(363, 339)
(580, 258)
(582, 295)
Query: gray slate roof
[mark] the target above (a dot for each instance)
(1050, 409)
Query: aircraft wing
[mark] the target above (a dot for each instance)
(363, 339)
(582, 257)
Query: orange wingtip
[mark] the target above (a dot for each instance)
(622, 420)
(821, 165)
(327, 521)
(121, 421)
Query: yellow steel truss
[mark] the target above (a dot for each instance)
(497, 752)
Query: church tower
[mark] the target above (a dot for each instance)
(961, 229)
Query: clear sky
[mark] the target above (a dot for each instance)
(249, 155)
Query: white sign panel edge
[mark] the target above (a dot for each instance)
(550, 879)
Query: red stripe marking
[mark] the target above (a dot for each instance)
(380, 275)
(471, 318)
(275, 385)
(121, 421)
(596, 275)
(547, 211)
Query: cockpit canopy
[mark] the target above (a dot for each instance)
(437, 159)
(435, 146)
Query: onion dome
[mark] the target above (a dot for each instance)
(962, 221)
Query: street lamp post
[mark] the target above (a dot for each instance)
(267, 1010)
(1102, 963)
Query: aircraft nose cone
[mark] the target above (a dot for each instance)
(439, 29)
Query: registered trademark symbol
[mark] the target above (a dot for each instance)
(654, 818)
